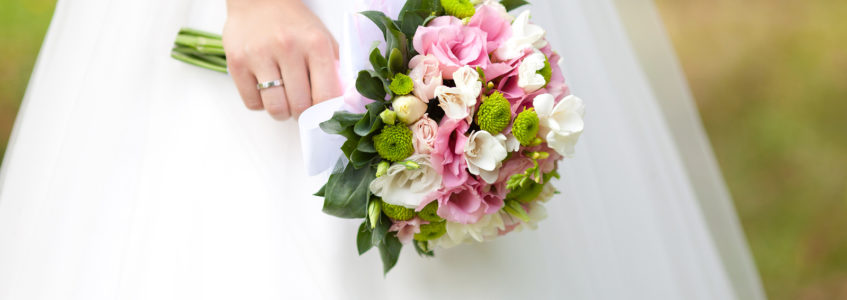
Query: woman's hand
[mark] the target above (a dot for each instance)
(267, 40)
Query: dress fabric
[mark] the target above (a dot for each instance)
(134, 176)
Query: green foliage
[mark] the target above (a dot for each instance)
(512, 4)
(515, 209)
(397, 212)
(363, 239)
(346, 192)
(394, 143)
(371, 85)
(525, 127)
(422, 247)
(494, 113)
(430, 212)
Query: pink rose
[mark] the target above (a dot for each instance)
(426, 76)
(448, 152)
(424, 132)
(406, 230)
(453, 44)
(468, 202)
(461, 204)
(490, 20)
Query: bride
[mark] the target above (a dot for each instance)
(133, 176)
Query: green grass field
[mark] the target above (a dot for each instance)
(770, 79)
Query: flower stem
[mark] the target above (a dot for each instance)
(193, 60)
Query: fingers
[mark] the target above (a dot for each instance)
(295, 77)
(245, 81)
(274, 99)
(323, 72)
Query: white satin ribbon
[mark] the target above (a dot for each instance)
(320, 149)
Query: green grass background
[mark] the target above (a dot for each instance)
(770, 79)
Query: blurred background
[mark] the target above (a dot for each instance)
(770, 80)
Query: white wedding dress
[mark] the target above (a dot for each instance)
(134, 176)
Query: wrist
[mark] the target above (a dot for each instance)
(236, 6)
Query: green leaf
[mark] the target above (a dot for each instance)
(379, 63)
(397, 40)
(371, 86)
(389, 251)
(411, 19)
(340, 121)
(350, 145)
(363, 127)
(380, 19)
(361, 159)
(516, 209)
(366, 144)
(322, 191)
(512, 4)
(380, 230)
(396, 63)
(347, 192)
(422, 247)
(363, 239)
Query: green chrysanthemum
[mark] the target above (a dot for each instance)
(429, 213)
(546, 71)
(394, 143)
(397, 212)
(401, 84)
(431, 231)
(494, 113)
(458, 8)
(525, 127)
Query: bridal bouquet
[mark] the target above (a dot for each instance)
(467, 118)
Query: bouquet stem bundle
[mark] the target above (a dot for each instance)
(200, 48)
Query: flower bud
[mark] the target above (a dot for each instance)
(382, 168)
(388, 116)
(409, 108)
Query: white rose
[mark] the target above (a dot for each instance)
(409, 108)
(528, 78)
(458, 102)
(484, 154)
(487, 228)
(404, 187)
(524, 35)
(561, 124)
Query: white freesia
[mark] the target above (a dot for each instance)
(409, 109)
(528, 78)
(484, 154)
(524, 35)
(458, 102)
(467, 79)
(512, 143)
(487, 228)
(405, 187)
(560, 124)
